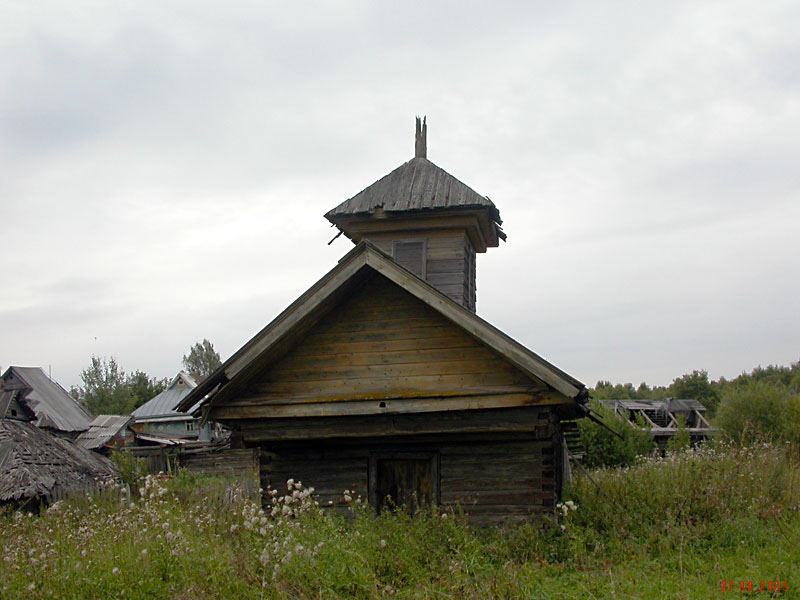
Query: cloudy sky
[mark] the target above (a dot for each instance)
(164, 169)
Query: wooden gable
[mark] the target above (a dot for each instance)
(382, 350)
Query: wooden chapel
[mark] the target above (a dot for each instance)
(382, 380)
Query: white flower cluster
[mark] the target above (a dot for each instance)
(254, 519)
(565, 507)
(152, 489)
(296, 500)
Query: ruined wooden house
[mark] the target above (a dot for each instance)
(42, 401)
(382, 380)
(664, 418)
(37, 466)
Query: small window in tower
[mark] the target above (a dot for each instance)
(411, 255)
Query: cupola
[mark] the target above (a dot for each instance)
(427, 220)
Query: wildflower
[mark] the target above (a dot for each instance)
(289, 483)
(383, 543)
(144, 552)
(115, 571)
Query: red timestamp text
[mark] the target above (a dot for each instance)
(754, 586)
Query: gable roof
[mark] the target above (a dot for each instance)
(53, 406)
(364, 260)
(165, 404)
(418, 185)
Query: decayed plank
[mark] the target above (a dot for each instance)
(345, 408)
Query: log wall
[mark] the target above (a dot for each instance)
(492, 477)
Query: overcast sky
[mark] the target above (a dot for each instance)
(164, 169)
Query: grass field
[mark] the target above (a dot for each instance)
(664, 528)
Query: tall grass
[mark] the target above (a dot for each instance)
(667, 527)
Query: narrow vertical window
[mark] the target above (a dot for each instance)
(411, 255)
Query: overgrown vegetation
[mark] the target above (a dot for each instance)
(604, 448)
(669, 527)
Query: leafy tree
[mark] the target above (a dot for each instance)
(697, 386)
(107, 389)
(760, 409)
(202, 360)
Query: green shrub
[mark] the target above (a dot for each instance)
(131, 468)
(603, 448)
(760, 410)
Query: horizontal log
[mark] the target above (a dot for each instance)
(515, 420)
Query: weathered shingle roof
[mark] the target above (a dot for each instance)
(53, 406)
(418, 185)
(37, 464)
(102, 429)
(165, 403)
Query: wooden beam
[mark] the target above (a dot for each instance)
(288, 409)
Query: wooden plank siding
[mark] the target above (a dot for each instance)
(447, 260)
(492, 479)
(383, 344)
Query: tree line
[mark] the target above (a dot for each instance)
(107, 389)
(762, 405)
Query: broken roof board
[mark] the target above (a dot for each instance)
(53, 406)
(271, 342)
(102, 430)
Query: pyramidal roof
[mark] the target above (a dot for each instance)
(417, 185)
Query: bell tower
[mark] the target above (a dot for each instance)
(427, 220)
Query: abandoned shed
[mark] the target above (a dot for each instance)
(382, 380)
(39, 399)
